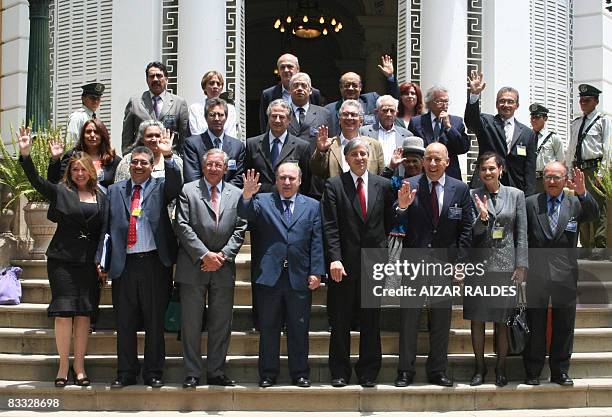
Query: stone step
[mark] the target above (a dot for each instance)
(38, 291)
(586, 392)
(42, 342)
(35, 315)
(102, 368)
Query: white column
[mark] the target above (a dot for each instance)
(506, 53)
(201, 44)
(444, 52)
(14, 78)
(593, 51)
(136, 42)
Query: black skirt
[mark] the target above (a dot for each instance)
(73, 288)
(483, 307)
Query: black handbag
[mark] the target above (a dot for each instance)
(518, 330)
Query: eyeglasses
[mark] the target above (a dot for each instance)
(215, 165)
(140, 162)
(509, 102)
(347, 115)
(441, 102)
(351, 85)
(213, 115)
(554, 178)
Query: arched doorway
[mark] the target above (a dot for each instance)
(369, 31)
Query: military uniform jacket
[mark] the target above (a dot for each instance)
(548, 149)
(596, 143)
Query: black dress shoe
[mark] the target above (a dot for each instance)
(191, 382)
(155, 382)
(338, 382)
(121, 382)
(301, 382)
(532, 380)
(266, 382)
(477, 379)
(221, 380)
(440, 379)
(562, 379)
(403, 379)
(367, 383)
(500, 379)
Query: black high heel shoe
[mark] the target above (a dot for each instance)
(61, 382)
(81, 382)
(500, 378)
(478, 378)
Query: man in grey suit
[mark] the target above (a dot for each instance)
(390, 136)
(158, 104)
(210, 235)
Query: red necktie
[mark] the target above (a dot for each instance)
(435, 210)
(362, 197)
(134, 205)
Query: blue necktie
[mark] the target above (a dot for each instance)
(287, 211)
(218, 143)
(437, 129)
(553, 214)
(275, 150)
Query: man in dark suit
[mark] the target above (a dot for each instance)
(158, 104)
(143, 250)
(504, 135)
(438, 126)
(305, 121)
(350, 89)
(288, 229)
(357, 213)
(554, 219)
(210, 236)
(437, 211)
(264, 153)
(287, 66)
(390, 136)
(196, 146)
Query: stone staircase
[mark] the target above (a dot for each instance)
(28, 361)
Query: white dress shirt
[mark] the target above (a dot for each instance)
(388, 141)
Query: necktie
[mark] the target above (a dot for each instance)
(437, 129)
(287, 211)
(214, 199)
(362, 197)
(93, 115)
(493, 198)
(302, 115)
(133, 219)
(578, 154)
(218, 143)
(507, 127)
(435, 210)
(275, 150)
(156, 106)
(553, 214)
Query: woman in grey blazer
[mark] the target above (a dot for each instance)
(500, 234)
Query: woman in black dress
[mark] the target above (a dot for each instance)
(77, 206)
(500, 236)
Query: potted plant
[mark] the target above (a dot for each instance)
(604, 189)
(13, 177)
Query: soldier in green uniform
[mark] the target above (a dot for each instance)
(589, 150)
(91, 96)
(549, 147)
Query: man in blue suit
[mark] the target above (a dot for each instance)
(438, 126)
(196, 146)
(142, 251)
(437, 211)
(288, 229)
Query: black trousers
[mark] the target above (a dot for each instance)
(296, 304)
(141, 295)
(342, 299)
(563, 300)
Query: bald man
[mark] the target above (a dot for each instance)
(287, 65)
(350, 89)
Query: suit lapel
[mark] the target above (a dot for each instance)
(542, 216)
(127, 195)
(499, 126)
(151, 186)
(564, 216)
(335, 151)
(280, 208)
(427, 128)
(502, 196)
(205, 195)
(264, 149)
(294, 124)
(373, 190)
(298, 209)
(224, 198)
(518, 129)
(207, 142)
(168, 101)
(449, 193)
(147, 103)
(286, 150)
(309, 118)
(425, 196)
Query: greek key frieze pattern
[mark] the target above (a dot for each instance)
(169, 41)
(474, 62)
(415, 41)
